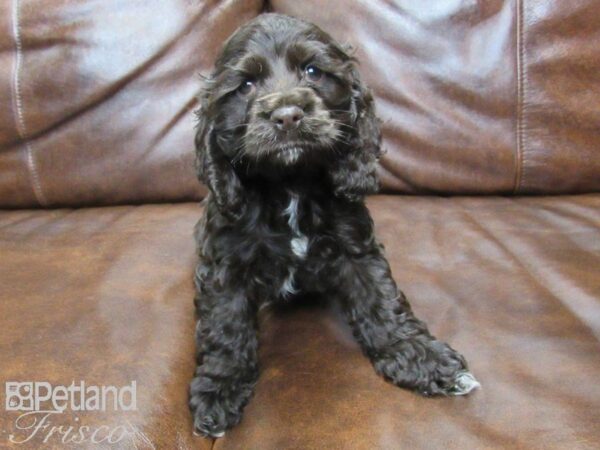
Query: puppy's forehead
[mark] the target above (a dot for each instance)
(273, 36)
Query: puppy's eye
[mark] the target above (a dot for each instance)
(247, 87)
(313, 73)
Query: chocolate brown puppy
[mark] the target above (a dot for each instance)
(287, 144)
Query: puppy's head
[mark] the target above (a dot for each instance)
(285, 98)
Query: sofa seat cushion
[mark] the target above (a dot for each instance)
(104, 296)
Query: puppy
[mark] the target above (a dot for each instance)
(287, 143)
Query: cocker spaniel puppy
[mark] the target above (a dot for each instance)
(287, 144)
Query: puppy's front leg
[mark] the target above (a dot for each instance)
(398, 344)
(226, 355)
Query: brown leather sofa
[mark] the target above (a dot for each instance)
(491, 113)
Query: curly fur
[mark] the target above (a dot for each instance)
(286, 215)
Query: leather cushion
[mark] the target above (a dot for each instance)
(494, 96)
(488, 97)
(100, 98)
(105, 295)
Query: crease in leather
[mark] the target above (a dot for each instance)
(19, 110)
(181, 114)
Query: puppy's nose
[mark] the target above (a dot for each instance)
(287, 117)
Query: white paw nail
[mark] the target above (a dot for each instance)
(465, 382)
(213, 435)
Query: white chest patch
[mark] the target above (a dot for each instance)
(299, 242)
(300, 246)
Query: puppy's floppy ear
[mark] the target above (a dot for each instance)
(355, 173)
(212, 165)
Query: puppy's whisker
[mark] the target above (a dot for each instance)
(233, 127)
(342, 124)
(339, 111)
(345, 125)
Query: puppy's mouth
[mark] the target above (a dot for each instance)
(308, 144)
(290, 152)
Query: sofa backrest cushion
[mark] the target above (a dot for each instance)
(477, 97)
(98, 97)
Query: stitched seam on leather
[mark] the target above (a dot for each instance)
(18, 110)
(520, 98)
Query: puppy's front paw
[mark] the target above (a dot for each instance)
(216, 411)
(210, 417)
(427, 366)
